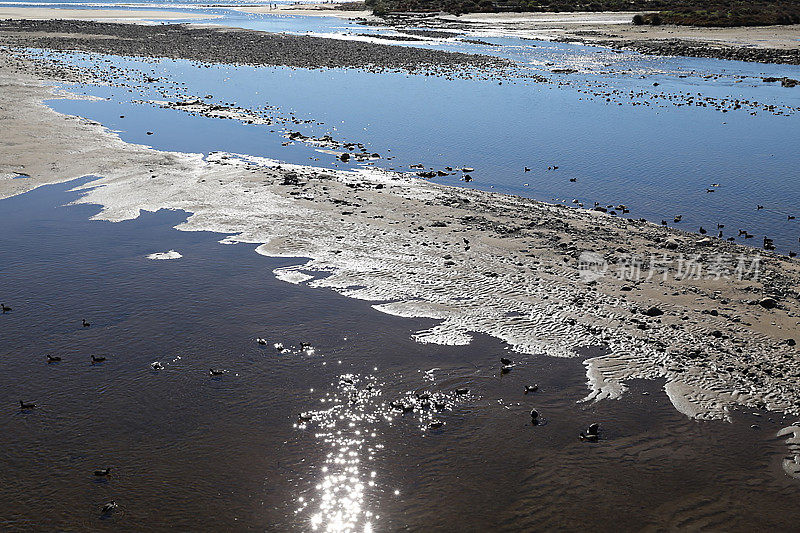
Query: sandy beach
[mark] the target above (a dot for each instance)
(105, 15)
(617, 26)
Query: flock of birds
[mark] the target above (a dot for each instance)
(592, 433)
(108, 507)
(768, 243)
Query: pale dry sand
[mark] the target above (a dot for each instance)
(100, 15)
(617, 26)
(309, 10)
(474, 261)
(588, 27)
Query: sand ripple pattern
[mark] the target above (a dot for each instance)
(477, 262)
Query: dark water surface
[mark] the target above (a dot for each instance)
(193, 452)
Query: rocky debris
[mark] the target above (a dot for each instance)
(785, 82)
(677, 47)
(233, 46)
(653, 311)
(768, 303)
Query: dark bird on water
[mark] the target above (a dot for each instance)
(85, 324)
(531, 388)
(462, 391)
(789, 217)
(702, 230)
(53, 359)
(98, 358)
(506, 361)
(102, 472)
(23, 405)
(5, 308)
(215, 372)
(109, 508)
(527, 169)
(759, 207)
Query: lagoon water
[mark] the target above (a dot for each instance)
(191, 451)
(657, 152)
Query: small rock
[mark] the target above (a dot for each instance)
(654, 311)
(768, 303)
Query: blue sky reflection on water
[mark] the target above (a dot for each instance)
(659, 161)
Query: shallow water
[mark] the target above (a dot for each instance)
(653, 152)
(189, 451)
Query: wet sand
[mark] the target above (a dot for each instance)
(477, 262)
(191, 451)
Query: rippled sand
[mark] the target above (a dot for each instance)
(473, 261)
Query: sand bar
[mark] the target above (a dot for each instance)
(505, 266)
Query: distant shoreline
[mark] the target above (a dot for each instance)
(765, 44)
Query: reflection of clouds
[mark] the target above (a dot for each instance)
(347, 427)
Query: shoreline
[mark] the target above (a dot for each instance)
(477, 262)
(767, 44)
(139, 16)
